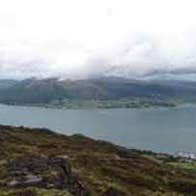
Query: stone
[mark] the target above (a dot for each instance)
(30, 171)
(33, 179)
(13, 183)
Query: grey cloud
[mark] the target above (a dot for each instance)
(140, 56)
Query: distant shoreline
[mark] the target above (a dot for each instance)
(101, 104)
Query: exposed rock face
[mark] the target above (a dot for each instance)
(46, 172)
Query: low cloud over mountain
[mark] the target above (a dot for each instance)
(92, 38)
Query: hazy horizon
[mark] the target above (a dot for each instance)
(73, 39)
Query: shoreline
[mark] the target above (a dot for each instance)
(96, 123)
(75, 107)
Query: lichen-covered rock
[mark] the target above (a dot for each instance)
(45, 172)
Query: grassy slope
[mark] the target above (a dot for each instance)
(103, 167)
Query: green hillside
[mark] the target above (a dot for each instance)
(41, 162)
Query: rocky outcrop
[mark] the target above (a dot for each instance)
(46, 172)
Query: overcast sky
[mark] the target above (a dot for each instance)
(73, 38)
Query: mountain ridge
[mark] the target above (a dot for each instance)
(105, 88)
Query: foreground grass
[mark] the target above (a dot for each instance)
(101, 167)
(35, 192)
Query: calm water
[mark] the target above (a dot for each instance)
(157, 129)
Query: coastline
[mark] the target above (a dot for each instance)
(102, 104)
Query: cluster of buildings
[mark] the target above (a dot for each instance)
(186, 155)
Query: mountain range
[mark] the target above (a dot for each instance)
(35, 90)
